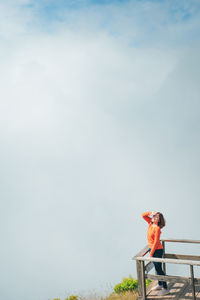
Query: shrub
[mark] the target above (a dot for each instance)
(128, 284)
(72, 297)
(123, 296)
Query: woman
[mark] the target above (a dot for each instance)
(156, 221)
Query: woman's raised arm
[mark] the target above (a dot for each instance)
(146, 216)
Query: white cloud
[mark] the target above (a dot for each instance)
(93, 132)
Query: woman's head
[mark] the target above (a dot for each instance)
(158, 219)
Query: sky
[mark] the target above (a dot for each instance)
(99, 122)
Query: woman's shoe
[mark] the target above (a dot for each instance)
(156, 287)
(163, 292)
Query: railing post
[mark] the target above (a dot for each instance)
(143, 280)
(138, 265)
(164, 265)
(192, 282)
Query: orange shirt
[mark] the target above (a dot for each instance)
(153, 234)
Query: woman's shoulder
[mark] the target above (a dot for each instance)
(156, 227)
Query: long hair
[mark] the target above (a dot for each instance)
(161, 222)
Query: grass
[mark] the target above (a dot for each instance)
(125, 290)
(123, 296)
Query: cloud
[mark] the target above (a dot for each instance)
(94, 130)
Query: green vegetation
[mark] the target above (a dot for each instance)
(128, 284)
(125, 290)
(72, 297)
(123, 296)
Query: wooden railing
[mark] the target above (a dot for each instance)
(171, 258)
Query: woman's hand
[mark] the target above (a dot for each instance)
(153, 213)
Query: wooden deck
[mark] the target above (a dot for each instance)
(180, 287)
(178, 291)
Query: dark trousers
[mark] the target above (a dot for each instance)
(158, 266)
